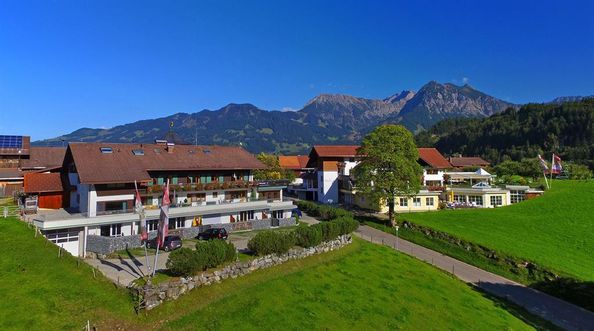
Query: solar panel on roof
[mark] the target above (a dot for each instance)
(11, 141)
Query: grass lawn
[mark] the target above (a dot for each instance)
(41, 291)
(362, 286)
(555, 230)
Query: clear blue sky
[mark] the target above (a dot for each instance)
(71, 64)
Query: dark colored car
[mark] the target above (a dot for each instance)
(213, 233)
(170, 243)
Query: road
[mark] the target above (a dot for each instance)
(558, 312)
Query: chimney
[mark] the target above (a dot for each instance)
(170, 147)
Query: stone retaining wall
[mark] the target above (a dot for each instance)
(154, 295)
(105, 245)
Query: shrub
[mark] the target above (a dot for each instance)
(346, 225)
(272, 242)
(324, 212)
(185, 262)
(308, 236)
(330, 230)
(215, 252)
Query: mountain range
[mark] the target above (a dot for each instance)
(326, 119)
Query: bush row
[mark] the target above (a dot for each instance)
(208, 254)
(323, 212)
(279, 242)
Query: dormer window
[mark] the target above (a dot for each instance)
(106, 150)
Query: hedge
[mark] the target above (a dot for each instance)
(208, 254)
(323, 212)
(272, 242)
(185, 262)
(308, 236)
(216, 252)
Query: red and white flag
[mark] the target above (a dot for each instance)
(140, 211)
(556, 167)
(543, 164)
(164, 217)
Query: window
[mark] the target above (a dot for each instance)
(114, 230)
(152, 225)
(106, 150)
(477, 199)
(160, 181)
(221, 179)
(459, 198)
(176, 223)
(138, 152)
(215, 194)
(417, 202)
(496, 200)
(246, 215)
(429, 201)
(277, 214)
(404, 202)
(516, 196)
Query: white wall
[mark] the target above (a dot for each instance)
(328, 186)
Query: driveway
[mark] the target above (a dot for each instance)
(129, 267)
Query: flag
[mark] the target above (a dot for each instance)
(140, 212)
(556, 167)
(164, 217)
(543, 164)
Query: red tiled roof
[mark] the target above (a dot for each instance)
(433, 158)
(295, 162)
(43, 182)
(468, 161)
(44, 157)
(336, 151)
(122, 166)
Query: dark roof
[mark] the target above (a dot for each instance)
(42, 182)
(433, 158)
(44, 157)
(12, 149)
(468, 161)
(295, 162)
(336, 151)
(122, 166)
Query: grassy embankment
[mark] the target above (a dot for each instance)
(362, 286)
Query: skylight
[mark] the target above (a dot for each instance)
(138, 152)
(106, 150)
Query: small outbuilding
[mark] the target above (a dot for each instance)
(47, 187)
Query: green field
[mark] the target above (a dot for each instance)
(555, 230)
(362, 286)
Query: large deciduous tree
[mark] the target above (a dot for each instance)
(388, 166)
(273, 169)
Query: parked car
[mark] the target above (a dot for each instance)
(169, 244)
(213, 233)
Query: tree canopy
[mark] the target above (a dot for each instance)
(272, 170)
(388, 166)
(564, 129)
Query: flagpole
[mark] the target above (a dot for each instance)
(156, 256)
(552, 166)
(140, 217)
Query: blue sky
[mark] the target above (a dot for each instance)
(71, 64)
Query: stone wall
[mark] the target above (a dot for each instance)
(154, 295)
(105, 245)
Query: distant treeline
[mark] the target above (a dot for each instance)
(565, 129)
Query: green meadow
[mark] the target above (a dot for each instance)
(362, 286)
(555, 230)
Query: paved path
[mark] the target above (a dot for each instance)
(126, 269)
(558, 312)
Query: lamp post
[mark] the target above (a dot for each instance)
(397, 227)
